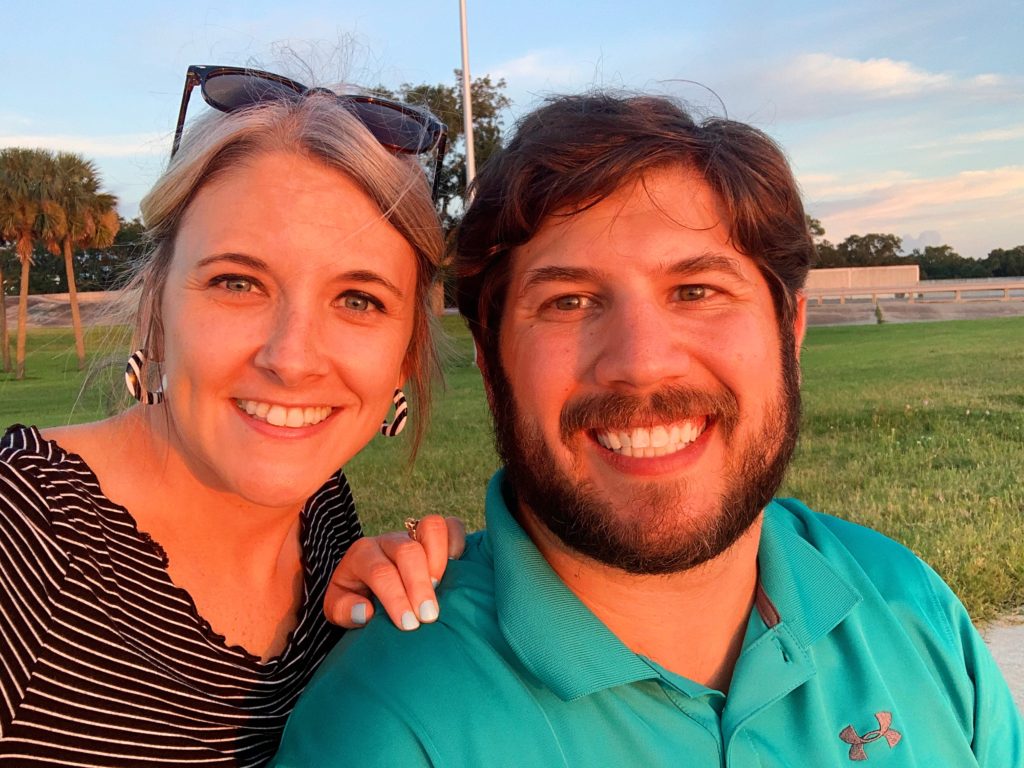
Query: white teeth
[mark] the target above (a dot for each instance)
(285, 416)
(659, 440)
(277, 415)
(659, 437)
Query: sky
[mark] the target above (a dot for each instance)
(898, 117)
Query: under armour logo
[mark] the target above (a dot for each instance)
(884, 731)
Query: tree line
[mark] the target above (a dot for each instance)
(62, 235)
(936, 262)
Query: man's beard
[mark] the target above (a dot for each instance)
(658, 533)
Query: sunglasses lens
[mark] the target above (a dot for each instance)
(231, 91)
(393, 128)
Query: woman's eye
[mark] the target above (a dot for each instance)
(360, 302)
(571, 303)
(692, 292)
(235, 284)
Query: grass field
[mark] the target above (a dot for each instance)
(916, 430)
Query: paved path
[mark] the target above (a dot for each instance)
(1006, 641)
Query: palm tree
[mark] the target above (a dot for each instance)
(27, 213)
(90, 221)
(5, 339)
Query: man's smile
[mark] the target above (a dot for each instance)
(657, 440)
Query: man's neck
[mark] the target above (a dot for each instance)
(691, 623)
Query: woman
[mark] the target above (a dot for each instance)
(162, 571)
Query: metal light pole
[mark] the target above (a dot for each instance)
(467, 101)
(467, 115)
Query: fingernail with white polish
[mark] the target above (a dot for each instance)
(359, 614)
(409, 620)
(428, 610)
(434, 582)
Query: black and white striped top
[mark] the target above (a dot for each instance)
(103, 660)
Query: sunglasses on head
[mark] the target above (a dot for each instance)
(398, 127)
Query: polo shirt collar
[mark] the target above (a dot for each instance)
(809, 593)
(574, 654)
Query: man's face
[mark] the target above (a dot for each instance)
(646, 402)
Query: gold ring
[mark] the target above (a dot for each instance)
(410, 527)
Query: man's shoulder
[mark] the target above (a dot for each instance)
(397, 692)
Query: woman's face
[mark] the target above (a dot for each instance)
(287, 312)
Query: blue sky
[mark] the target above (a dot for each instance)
(898, 117)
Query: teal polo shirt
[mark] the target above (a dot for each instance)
(855, 652)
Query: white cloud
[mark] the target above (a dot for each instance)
(821, 85)
(879, 78)
(124, 145)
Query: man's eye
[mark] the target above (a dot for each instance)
(571, 303)
(692, 292)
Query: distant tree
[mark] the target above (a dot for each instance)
(104, 269)
(941, 262)
(7, 259)
(871, 250)
(814, 226)
(28, 214)
(489, 103)
(90, 221)
(827, 255)
(445, 101)
(1005, 262)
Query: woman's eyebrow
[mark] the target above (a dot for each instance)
(368, 276)
(241, 259)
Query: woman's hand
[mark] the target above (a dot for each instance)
(399, 570)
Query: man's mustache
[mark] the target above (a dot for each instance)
(610, 410)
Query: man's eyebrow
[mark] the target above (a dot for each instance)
(354, 276)
(541, 275)
(709, 261)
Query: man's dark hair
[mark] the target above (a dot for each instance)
(577, 150)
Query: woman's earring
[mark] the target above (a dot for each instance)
(401, 415)
(134, 378)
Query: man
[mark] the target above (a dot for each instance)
(633, 283)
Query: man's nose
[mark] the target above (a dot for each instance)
(640, 346)
(293, 350)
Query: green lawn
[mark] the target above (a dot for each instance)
(916, 430)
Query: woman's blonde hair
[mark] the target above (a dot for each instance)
(320, 128)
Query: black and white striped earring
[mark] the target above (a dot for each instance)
(401, 415)
(134, 379)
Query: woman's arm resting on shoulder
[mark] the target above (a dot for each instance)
(400, 571)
